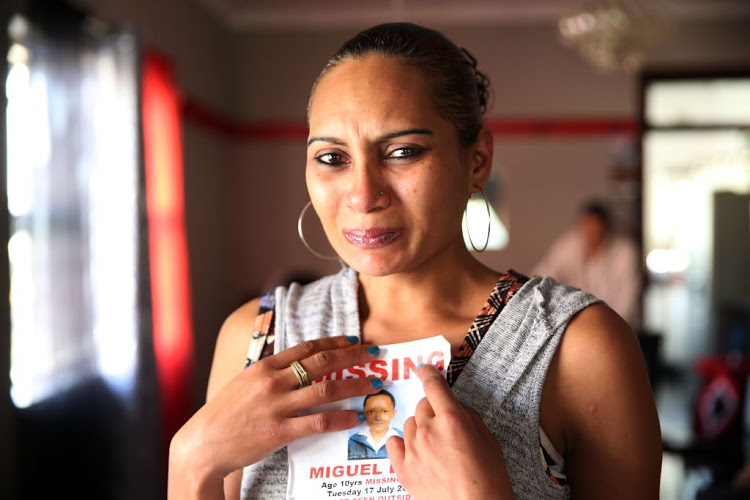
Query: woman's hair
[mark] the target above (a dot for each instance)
(459, 91)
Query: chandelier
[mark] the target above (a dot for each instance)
(613, 35)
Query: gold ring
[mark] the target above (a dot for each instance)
(300, 373)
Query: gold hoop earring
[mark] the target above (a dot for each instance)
(302, 236)
(489, 221)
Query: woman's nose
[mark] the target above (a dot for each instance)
(367, 191)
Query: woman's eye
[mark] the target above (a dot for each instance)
(330, 159)
(406, 153)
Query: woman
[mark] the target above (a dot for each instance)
(396, 148)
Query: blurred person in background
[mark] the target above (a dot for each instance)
(590, 256)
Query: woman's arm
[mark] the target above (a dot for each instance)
(228, 361)
(605, 405)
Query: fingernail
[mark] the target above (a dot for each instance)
(373, 350)
(352, 339)
(376, 383)
(420, 365)
(361, 417)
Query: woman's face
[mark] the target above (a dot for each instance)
(373, 130)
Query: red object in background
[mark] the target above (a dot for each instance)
(170, 283)
(721, 400)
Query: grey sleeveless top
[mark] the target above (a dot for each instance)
(502, 380)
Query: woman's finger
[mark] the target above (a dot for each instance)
(308, 348)
(437, 390)
(423, 410)
(329, 421)
(410, 429)
(396, 451)
(322, 363)
(328, 391)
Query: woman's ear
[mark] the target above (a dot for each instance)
(481, 159)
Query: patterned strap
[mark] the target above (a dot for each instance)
(552, 463)
(507, 286)
(261, 344)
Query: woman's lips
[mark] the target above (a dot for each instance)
(372, 238)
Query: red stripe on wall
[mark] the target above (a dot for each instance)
(168, 255)
(562, 127)
(231, 129)
(235, 130)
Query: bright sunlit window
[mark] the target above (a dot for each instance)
(698, 102)
(696, 193)
(73, 200)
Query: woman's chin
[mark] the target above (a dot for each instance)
(374, 264)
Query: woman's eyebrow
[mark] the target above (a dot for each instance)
(332, 140)
(382, 138)
(401, 133)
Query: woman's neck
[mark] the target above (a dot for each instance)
(441, 297)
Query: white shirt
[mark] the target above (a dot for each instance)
(365, 431)
(613, 275)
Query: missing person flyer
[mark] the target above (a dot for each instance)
(354, 464)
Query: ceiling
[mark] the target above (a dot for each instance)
(326, 14)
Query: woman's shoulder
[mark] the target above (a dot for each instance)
(231, 345)
(236, 332)
(240, 322)
(597, 337)
(602, 394)
(597, 347)
(552, 302)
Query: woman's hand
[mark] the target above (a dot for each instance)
(263, 409)
(447, 452)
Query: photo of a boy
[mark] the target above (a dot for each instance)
(369, 440)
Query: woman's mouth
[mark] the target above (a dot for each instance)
(377, 237)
